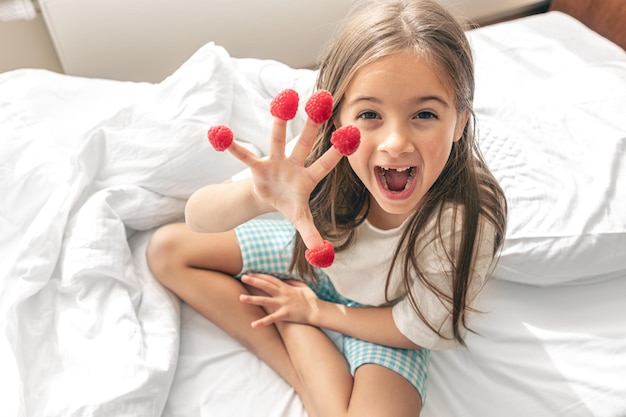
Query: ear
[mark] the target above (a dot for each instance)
(461, 122)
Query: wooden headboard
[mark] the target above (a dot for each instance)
(607, 17)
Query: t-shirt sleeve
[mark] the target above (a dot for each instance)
(438, 271)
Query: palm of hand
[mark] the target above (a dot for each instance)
(286, 186)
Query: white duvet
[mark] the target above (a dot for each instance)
(88, 168)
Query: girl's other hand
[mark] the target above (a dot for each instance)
(288, 300)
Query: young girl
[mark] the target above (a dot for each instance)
(415, 217)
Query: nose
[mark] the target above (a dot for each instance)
(396, 141)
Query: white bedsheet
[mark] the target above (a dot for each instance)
(89, 167)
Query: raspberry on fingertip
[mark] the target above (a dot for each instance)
(346, 139)
(221, 137)
(321, 257)
(319, 107)
(285, 105)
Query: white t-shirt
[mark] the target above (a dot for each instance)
(360, 273)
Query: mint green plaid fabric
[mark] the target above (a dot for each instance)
(266, 247)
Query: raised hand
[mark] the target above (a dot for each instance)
(282, 182)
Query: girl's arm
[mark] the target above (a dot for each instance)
(294, 301)
(222, 207)
(372, 324)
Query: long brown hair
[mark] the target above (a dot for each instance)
(340, 202)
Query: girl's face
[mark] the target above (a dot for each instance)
(408, 122)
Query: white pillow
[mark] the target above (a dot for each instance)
(552, 127)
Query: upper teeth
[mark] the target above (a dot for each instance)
(397, 169)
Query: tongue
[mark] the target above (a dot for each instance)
(396, 181)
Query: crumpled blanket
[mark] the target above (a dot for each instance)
(88, 168)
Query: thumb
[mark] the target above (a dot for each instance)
(320, 253)
(309, 233)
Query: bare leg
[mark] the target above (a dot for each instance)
(198, 268)
(188, 263)
(326, 379)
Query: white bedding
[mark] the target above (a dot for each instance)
(88, 168)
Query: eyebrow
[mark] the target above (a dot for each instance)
(418, 100)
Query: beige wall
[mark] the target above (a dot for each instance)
(27, 44)
(85, 42)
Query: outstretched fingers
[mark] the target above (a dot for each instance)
(285, 183)
(319, 108)
(324, 164)
(221, 137)
(305, 142)
(243, 154)
(277, 143)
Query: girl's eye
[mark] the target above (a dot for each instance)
(368, 115)
(426, 115)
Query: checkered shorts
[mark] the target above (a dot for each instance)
(266, 247)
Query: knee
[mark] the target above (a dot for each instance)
(164, 253)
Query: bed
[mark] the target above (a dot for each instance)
(90, 167)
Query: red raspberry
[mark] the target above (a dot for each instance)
(285, 105)
(220, 137)
(346, 139)
(320, 106)
(321, 257)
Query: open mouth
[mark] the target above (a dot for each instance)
(395, 179)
